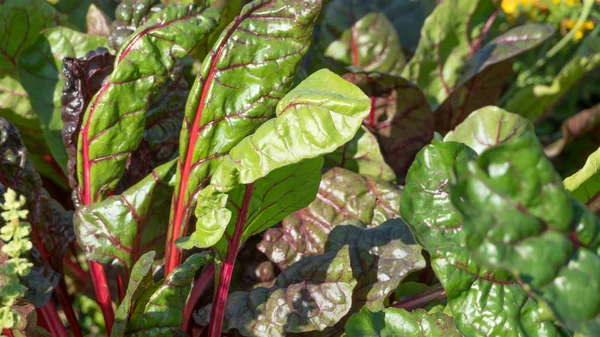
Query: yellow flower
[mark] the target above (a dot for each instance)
(569, 24)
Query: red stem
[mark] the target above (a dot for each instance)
(430, 295)
(199, 287)
(120, 288)
(63, 297)
(55, 326)
(102, 294)
(371, 121)
(486, 28)
(7, 333)
(218, 308)
(75, 269)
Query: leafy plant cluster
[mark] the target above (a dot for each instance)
(300, 167)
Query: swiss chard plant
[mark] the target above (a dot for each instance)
(299, 168)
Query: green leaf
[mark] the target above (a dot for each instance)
(484, 302)
(75, 10)
(355, 33)
(156, 308)
(486, 73)
(513, 203)
(399, 322)
(448, 37)
(275, 196)
(361, 155)
(426, 204)
(97, 22)
(584, 185)
(487, 302)
(534, 100)
(249, 69)
(113, 124)
(399, 117)
(28, 322)
(20, 24)
(342, 196)
(15, 105)
(489, 127)
(315, 118)
(129, 16)
(121, 228)
(40, 72)
(381, 258)
(313, 294)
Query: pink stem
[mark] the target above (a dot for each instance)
(51, 318)
(199, 287)
(426, 297)
(102, 294)
(218, 308)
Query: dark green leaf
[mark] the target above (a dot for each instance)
(361, 155)
(119, 229)
(40, 72)
(156, 308)
(401, 323)
(313, 294)
(342, 196)
(249, 69)
(400, 117)
(517, 213)
(20, 24)
(489, 127)
(113, 124)
(75, 11)
(130, 15)
(355, 33)
(485, 74)
(450, 34)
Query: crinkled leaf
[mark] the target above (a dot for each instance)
(119, 229)
(51, 223)
(484, 302)
(20, 24)
(517, 213)
(228, 10)
(355, 33)
(534, 100)
(485, 74)
(399, 322)
(584, 185)
(156, 308)
(97, 22)
(313, 294)
(487, 302)
(381, 258)
(399, 117)
(249, 69)
(489, 127)
(84, 76)
(15, 105)
(342, 196)
(426, 204)
(113, 124)
(448, 37)
(584, 122)
(274, 197)
(129, 15)
(319, 115)
(361, 155)
(40, 72)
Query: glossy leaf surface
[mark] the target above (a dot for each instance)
(448, 37)
(84, 77)
(342, 196)
(361, 155)
(113, 124)
(489, 127)
(399, 322)
(249, 69)
(121, 228)
(400, 117)
(316, 117)
(321, 289)
(514, 202)
(156, 308)
(485, 74)
(40, 73)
